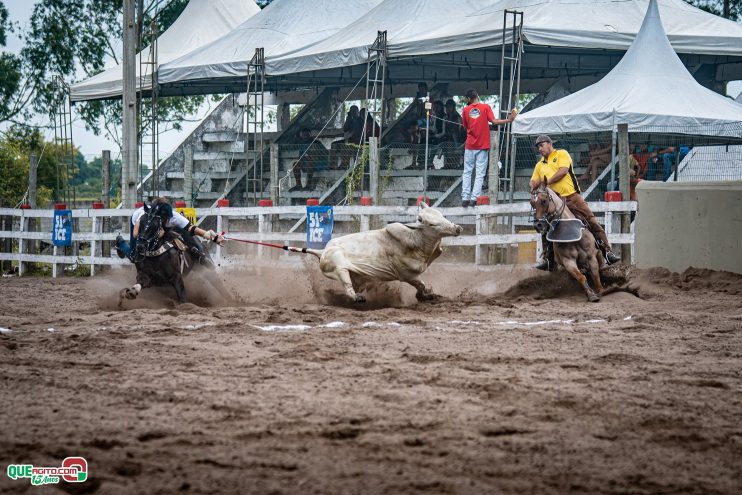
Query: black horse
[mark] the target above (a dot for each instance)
(163, 259)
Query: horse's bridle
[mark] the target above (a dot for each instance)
(549, 219)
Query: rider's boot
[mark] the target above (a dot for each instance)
(547, 262)
(611, 257)
(117, 246)
(203, 259)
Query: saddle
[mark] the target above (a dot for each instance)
(566, 230)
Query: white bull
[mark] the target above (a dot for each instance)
(396, 252)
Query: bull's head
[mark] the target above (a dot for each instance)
(433, 220)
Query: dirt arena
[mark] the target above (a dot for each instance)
(510, 384)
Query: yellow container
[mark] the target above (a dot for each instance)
(527, 250)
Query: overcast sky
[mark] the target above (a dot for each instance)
(91, 145)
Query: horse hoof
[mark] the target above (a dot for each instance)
(131, 294)
(360, 299)
(593, 298)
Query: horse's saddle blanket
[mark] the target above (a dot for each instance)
(565, 230)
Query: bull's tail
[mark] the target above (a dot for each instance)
(316, 252)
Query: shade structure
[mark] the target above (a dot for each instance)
(650, 90)
(282, 27)
(201, 22)
(429, 27)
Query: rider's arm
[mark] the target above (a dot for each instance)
(206, 234)
(510, 118)
(535, 178)
(559, 175)
(136, 228)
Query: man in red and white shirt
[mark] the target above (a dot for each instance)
(476, 118)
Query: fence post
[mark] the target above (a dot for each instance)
(623, 182)
(22, 243)
(188, 176)
(54, 263)
(479, 227)
(93, 244)
(274, 164)
(32, 168)
(106, 198)
(373, 168)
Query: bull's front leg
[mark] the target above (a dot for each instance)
(424, 293)
(344, 276)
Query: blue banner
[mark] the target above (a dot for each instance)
(319, 226)
(62, 228)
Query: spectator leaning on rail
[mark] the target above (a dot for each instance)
(556, 167)
(476, 118)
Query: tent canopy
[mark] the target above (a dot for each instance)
(201, 22)
(650, 89)
(453, 29)
(283, 26)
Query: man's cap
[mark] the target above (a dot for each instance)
(543, 138)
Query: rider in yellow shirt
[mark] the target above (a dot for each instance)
(556, 166)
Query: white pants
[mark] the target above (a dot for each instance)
(472, 159)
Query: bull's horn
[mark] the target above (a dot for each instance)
(415, 225)
(423, 205)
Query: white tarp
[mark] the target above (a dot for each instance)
(426, 27)
(201, 22)
(650, 89)
(283, 26)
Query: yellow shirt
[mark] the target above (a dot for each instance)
(549, 166)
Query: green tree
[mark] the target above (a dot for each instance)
(730, 9)
(70, 37)
(10, 68)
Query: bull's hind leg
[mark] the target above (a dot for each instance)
(571, 267)
(179, 286)
(424, 293)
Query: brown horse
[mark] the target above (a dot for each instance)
(574, 244)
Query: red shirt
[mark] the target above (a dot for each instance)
(476, 119)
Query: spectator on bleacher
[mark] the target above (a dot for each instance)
(310, 153)
(476, 118)
(372, 128)
(452, 128)
(343, 150)
(353, 126)
(410, 135)
(420, 98)
(437, 132)
(667, 157)
(599, 156)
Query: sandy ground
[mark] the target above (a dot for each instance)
(510, 384)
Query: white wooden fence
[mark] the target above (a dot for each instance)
(483, 218)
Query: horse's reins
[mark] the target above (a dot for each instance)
(549, 219)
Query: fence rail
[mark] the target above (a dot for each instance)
(488, 225)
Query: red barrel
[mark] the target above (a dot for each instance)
(483, 200)
(60, 206)
(98, 205)
(421, 199)
(265, 202)
(222, 203)
(367, 201)
(613, 196)
(312, 202)
(138, 204)
(180, 204)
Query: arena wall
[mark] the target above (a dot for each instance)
(679, 225)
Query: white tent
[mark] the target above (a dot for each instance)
(650, 89)
(429, 27)
(201, 22)
(281, 27)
